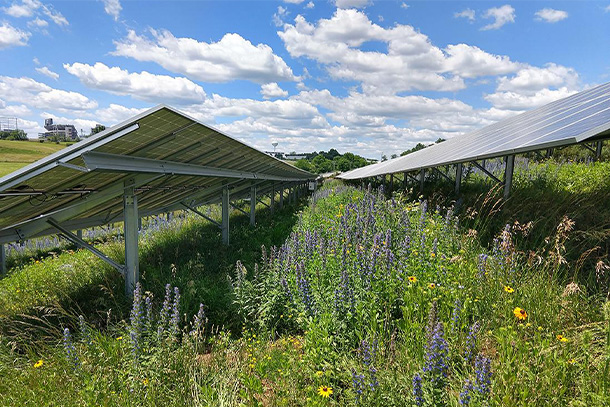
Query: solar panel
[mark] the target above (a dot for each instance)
(581, 117)
(169, 156)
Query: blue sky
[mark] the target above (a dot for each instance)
(371, 77)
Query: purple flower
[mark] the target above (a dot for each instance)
(465, 395)
(418, 392)
(137, 321)
(436, 366)
(482, 367)
(70, 349)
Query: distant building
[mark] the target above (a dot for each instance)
(58, 132)
(295, 156)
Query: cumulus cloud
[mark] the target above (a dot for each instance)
(310, 5)
(231, 58)
(279, 15)
(468, 14)
(411, 62)
(501, 15)
(143, 86)
(12, 37)
(294, 1)
(112, 8)
(47, 72)
(40, 96)
(520, 101)
(550, 15)
(272, 90)
(115, 113)
(38, 23)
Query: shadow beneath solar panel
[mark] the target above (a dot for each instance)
(191, 258)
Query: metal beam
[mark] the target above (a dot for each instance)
(598, 150)
(443, 174)
(225, 215)
(508, 175)
(238, 208)
(422, 179)
(281, 196)
(489, 174)
(130, 213)
(2, 259)
(252, 205)
(81, 243)
(404, 180)
(458, 177)
(201, 214)
(120, 163)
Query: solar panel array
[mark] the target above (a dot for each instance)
(65, 185)
(584, 116)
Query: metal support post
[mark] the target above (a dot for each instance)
(391, 182)
(422, 178)
(2, 259)
(458, 177)
(272, 203)
(508, 175)
(252, 205)
(281, 196)
(404, 180)
(79, 234)
(598, 150)
(131, 218)
(225, 215)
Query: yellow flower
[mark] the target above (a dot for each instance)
(120, 338)
(508, 289)
(562, 338)
(251, 366)
(145, 382)
(520, 313)
(38, 364)
(432, 254)
(412, 279)
(325, 391)
(571, 361)
(319, 373)
(431, 286)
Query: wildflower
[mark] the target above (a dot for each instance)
(412, 279)
(418, 393)
(145, 382)
(38, 364)
(471, 342)
(319, 373)
(465, 394)
(436, 357)
(455, 314)
(509, 289)
(137, 320)
(119, 338)
(325, 391)
(358, 384)
(520, 313)
(562, 338)
(482, 366)
(431, 286)
(571, 361)
(198, 321)
(69, 348)
(175, 321)
(84, 330)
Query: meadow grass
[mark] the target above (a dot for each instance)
(17, 154)
(356, 299)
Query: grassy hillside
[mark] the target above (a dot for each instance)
(363, 301)
(17, 154)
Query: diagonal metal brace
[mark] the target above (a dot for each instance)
(489, 174)
(201, 214)
(264, 203)
(81, 243)
(238, 208)
(443, 174)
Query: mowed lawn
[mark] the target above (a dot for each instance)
(17, 154)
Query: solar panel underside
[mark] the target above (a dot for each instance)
(577, 118)
(45, 188)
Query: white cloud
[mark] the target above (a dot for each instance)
(12, 37)
(36, 61)
(501, 15)
(13, 110)
(550, 15)
(29, 8)
(143, 86)
(81, 124)
(114, 114)
(411, 62)
(293, 1)
(272, 90)
(351, 3)
(279, 15)
(47, 72)
(310, 5)
(469, 62)
(532, 79)
(113, 8)
(466, 13)
(519, 101)
(607, 9)
(404, 5)
(231, 58)
(38, 23)
(40, 96)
